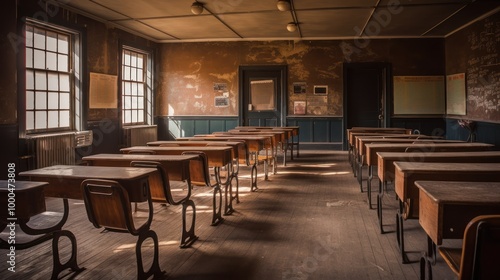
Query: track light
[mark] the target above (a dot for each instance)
(283, 5)
(291, 26)
(197, 8)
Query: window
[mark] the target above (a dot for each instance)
(136, 87)
(52, 79)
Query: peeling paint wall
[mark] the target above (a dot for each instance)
(189, 70)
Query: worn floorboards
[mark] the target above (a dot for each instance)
(308, 221)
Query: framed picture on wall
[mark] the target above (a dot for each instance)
(321, 90)
(299, 107)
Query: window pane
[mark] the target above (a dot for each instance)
(127, 116)
(64, 100)
(140, 61)
(30, 119)
(51, 41)
(64, 118)
(30, 82)
(134, 102)
(140, 75)
(140, 90)
(133, 60)
(62, 63)
(140, 116)
(133, 89)
(53, 81)
(40, 120)
(127, 102)
(30, 100)
(53, 101)
(134, 116)
(126, 58)
(51, 61)
(62, 42)
(39, 59)
(133, 74)
(126, 73)
(40, 80)
(39, 38)
(53, 120)
(29, 36)
(64, 82)
(29, 57)
(127, 88)
(41, 100)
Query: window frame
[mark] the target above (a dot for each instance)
(75, 58)
(148, 102)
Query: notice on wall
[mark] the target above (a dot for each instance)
(103, 92)
(419, 95)
(455, 94)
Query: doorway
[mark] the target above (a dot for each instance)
(366, 85)
(262, 95)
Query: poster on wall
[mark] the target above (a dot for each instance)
(299, 107)
(299, 87)
(221, 101)
(455, 94)
(103, 91)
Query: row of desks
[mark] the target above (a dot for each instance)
(179, 158)
(444, 185)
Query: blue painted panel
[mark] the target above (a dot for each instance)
(201, 126)
(187, 128)
(320, 131)
(217, 125)
(336, 130)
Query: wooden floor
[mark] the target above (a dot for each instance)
(309, 221)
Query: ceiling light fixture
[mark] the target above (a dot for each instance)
(283, 5)
(291, 26)
(197, 8)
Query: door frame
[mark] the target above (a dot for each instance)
(386, 93)
(243, 104)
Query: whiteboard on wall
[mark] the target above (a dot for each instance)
(419, 95)
(103, 92)
(455, 94)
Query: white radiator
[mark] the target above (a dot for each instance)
(52, 149)
(139, 135)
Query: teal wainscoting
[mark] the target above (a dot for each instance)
(319, 132)
(182, 126)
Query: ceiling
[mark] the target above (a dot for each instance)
(232, 20)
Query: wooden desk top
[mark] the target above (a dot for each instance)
(64, 180)
(363, 141)
(217, 155)
(447, 207)
(374, 148)
(239, 146)
(254, 143)
(175, 165)
(30, 199)
(408, 172)
(386, 160)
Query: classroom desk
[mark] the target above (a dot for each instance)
(65, 180)
(293, 133)
(255, 145)
(402, 145)
(218, 157)
(408, 194)
(29, 202)
(285, 136)
(386, 168)
(447, 207)
(276, 139)
(352, 140)
(176, 166)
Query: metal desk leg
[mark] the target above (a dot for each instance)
(400, 233)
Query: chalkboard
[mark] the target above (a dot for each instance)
(483, 69)
(455, 94)
(419, 95)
